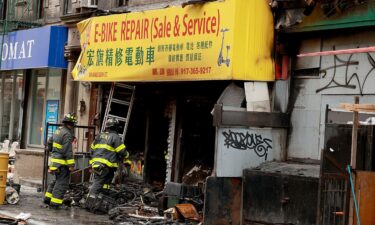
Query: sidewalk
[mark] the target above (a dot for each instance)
(31, 202)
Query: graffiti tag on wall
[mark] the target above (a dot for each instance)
(351, 80)
(247, 141)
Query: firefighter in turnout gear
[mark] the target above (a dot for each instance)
(107, 151)
(61, 161)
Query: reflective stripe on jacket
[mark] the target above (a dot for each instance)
(62, 150)
(108, 149)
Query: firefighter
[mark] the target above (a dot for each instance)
(107, 151)
(61, 162)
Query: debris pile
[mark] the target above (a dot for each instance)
(176, 203)
(196, 174)
(138, 203)
(76, 194)
(12, 189)
(20, 219)
(132, 191)
(10, 221)
(11, 195)
(130, 201)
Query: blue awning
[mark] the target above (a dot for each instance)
(34, 48)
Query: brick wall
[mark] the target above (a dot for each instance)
(29, 10)
(108, 4)
(53, 10)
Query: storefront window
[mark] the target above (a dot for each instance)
(38, 99)
(6, 100)
(54, 84)
(11, 96)
(17, 106)
(45, 96)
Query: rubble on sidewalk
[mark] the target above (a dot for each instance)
(188, 212)
(196, 174)
(12, 221)
(133, 202)
(138, 203)
(11, 195)
(12, 189)
(75, 194)
(149, 206)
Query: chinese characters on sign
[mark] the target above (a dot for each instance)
(132, 57)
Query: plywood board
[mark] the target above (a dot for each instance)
(365, 192)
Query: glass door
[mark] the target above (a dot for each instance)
(11, 96)
(38, 97)
(6, 105)
(45, 103)
(18, 96)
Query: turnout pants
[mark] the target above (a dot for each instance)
(102, 179)
(57, 188)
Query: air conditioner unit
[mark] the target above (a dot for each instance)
(89, 3)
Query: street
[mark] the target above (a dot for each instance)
(30, 202)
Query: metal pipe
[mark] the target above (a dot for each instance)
(338, 52)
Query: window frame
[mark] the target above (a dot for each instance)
(31, 103)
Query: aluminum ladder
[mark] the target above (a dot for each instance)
(119, 106)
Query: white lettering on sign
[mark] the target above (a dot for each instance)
(17, 50)
(30, 44)
(5, 52)
(22, 54)
(13, 50)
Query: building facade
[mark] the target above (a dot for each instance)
(191, 64)
(33, 68)
(325, 49)
(221, 94)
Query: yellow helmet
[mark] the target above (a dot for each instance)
(70, 118)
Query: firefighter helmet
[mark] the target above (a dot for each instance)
(70, 118)
(112, 123)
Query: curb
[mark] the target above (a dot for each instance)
(30, 183)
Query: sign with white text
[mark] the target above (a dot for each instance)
(34, 48)
(52, 115)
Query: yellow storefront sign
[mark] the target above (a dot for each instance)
(223, 40)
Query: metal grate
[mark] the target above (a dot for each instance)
(334, 199)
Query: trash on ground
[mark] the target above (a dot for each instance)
(23, 216)
(188, 211)
(11, 195)
(11, 221)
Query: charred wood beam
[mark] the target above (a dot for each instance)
(288, 4)
(250, 119)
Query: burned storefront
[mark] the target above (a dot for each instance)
(161, 73)
(329, 46)
(170, 122)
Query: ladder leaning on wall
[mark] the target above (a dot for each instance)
(119, 106)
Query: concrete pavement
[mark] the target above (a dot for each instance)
(31, 202)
